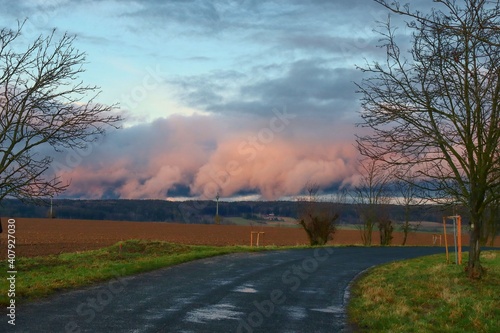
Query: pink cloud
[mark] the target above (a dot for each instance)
(279, 168)
(211, 153)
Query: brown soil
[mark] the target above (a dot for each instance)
(35, 237)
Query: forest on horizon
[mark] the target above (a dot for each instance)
(202, 212)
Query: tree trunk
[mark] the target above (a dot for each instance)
(406, 228)
(366, 233)
(474, 268)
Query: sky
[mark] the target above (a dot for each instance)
(249, 98)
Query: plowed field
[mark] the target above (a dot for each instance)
(36, 237)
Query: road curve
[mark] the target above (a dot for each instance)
(277, 291)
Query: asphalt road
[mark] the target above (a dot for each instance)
(281, 291)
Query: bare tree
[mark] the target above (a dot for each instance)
(438, 109)
(385, 228)
(318, 217)
(370, 196)
(42, 102)
(407, 197)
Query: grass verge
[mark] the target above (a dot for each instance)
(427, 295)
(41, 276)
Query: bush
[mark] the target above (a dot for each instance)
(318, 220)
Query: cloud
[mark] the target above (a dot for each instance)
(235, 62)
(313, 81)
(274, 170)
(364, 44)
(205, 154)
(313, 87)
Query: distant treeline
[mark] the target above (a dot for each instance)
(192, 211)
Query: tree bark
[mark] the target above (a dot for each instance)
(406, 228)
(404, 239)
(474, 268)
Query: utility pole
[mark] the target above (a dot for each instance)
(51, 212)
(217, 218)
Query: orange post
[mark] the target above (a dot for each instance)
(258, 234)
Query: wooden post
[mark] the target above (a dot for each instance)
(257, 240)
(435, 238)
(459, 227)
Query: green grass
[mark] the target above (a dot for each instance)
(242, 221)
(41, 276)
(287, 222)
(427, 295)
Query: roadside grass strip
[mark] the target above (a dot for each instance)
(38, 277)
(427, 295)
